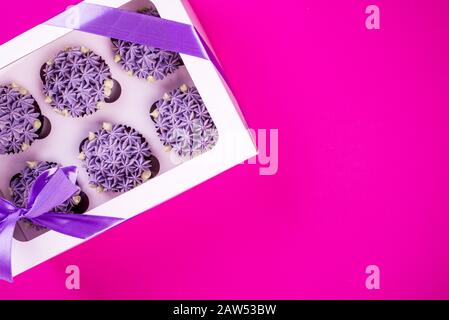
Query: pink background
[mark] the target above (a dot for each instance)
(364, 165)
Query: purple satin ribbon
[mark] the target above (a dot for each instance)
(51, 189)
(133, 27)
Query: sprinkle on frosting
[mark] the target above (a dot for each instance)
(77, 82)
(183, 122)
(146, 62)
(19, 119)
(22, 183)
(117, 158)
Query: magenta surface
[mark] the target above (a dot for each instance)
(363, 177)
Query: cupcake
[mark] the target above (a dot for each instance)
(183, 122)
(146, 62)
(21, 121)
(22, 182)
(117, 158)
(78, 82)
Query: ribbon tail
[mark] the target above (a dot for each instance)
(75, 225)
(6, 236)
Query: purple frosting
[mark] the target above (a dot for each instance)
(77, 82)
(143, 61)
(183, 122)
(117, 158)
(19, 120)
(22, 183)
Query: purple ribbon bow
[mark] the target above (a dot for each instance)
(51, 189)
